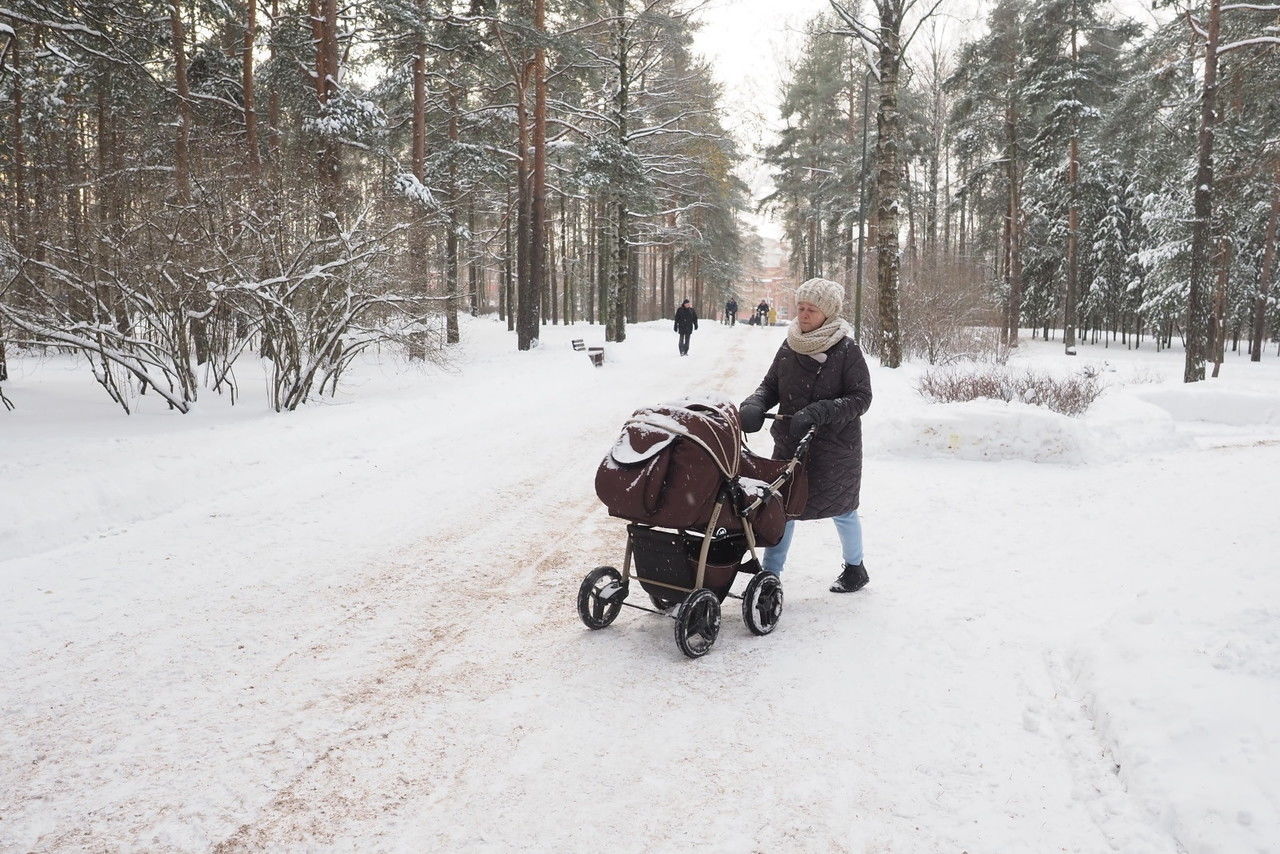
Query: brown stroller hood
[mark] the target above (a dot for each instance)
(670, 463)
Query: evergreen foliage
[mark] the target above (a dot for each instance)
(185, 185)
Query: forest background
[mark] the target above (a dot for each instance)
(186, 185)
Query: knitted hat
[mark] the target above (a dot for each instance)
(827, 295)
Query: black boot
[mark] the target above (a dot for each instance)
(851, 578)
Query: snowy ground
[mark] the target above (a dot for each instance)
(352, 626)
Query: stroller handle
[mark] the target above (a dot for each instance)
(772, 489)
(804, 440)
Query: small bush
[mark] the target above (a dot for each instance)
(947, 315)
(1070, 395)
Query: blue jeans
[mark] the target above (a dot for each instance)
(847, 526)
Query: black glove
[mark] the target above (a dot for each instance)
(801, 422)
(817, 413)
(752, 415)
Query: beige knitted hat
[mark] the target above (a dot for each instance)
(827, 295)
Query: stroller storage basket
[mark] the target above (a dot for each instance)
(671, 558)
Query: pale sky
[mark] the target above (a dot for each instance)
(750, 43)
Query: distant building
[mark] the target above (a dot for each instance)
(769, 281)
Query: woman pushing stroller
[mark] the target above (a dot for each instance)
(819, 378)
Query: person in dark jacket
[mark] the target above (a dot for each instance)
(731, 311)
(819, 378)
(686, 322)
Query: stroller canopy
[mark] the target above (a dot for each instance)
(710, 422)
(672, 462)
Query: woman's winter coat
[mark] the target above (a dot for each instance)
(835, 456)
(686, 320)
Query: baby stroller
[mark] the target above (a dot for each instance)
(698, 502)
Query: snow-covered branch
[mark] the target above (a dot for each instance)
(1253, 42)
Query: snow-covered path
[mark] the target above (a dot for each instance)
(353, 627)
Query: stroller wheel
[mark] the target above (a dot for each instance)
(600, 597)
(698, 623)
(762, 603)
(663, 604)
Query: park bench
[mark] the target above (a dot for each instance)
(595, 354)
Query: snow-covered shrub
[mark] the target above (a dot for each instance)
(1069, 395)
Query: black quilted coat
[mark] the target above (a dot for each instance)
(843, 383)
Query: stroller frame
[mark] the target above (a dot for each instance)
(696, 614)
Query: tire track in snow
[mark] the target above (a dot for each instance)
(228, 732)
(320, 799)
(1067, 717)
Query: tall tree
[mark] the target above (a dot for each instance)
(1209, 31)
(887, 39)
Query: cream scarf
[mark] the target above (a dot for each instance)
(820, 340)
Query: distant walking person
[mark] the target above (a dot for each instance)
(686, 322)
(731, 311)
(762, 312)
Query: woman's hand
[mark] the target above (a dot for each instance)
(816, 413)
(802, 422)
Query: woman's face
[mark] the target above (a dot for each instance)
(809, 317)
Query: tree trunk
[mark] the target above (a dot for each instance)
(1197, 310)
(418, 163)
(616, 329)
(473, 264)
(1267, 276)
(850, 138)
(888, 126)
(1013, 262)
(962, 224)
(1217, 320)
(566, 265)
(862, 210)
(452, 334)
(553, 299)
(538, 192)
(528, 308)
(109, 210)
(419, 151)
(507, 298)
(1073, 221)
(18, 234)
(592, 269)
(946, 195)
(252, 160)
(273, 99)
(18, 231)
(325, 32)
(935, 154)
(181, 152)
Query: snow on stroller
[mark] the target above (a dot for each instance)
(698, 501)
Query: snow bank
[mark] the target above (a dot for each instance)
(1145, 410)
(1237, 404)
(983, 430)
(993, 430)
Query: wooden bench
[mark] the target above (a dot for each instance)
(595, 354)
